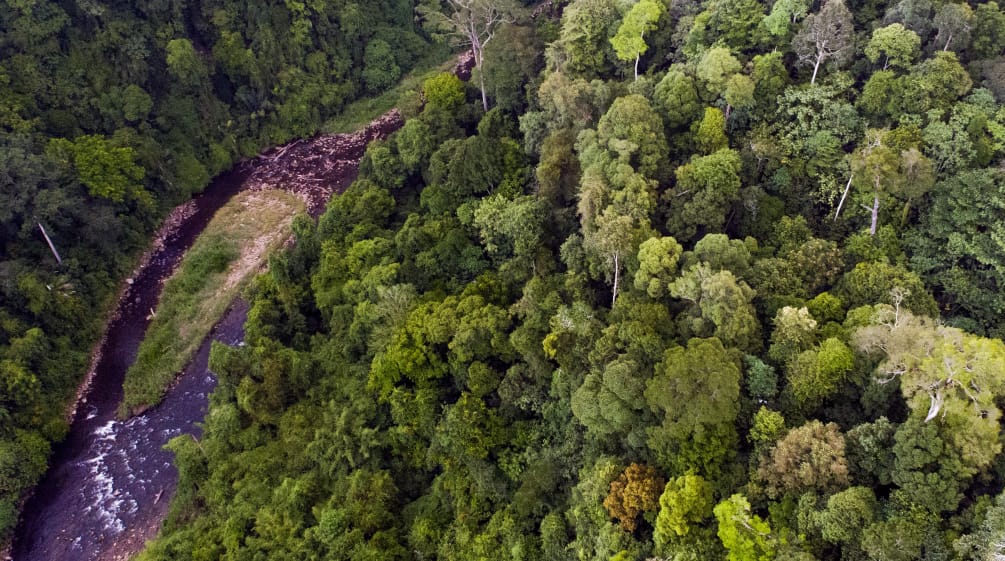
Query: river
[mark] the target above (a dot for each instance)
(110, 482)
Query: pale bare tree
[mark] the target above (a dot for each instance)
(472, 24)
(827, 36)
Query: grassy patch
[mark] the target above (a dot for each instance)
(359, 113)
(232, 248)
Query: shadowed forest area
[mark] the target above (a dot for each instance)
(112, 113)
(678, 280)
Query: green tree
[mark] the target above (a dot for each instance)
(715, 69)
(784, 14)
(901, 538)
(762, 380)
(929, 471)
(959, 251)
(468, 431)
(610, 401)
(988, 32)
(870, 451)
(739, 93)
(587, 26)
(873, 282)
(934, 84)
(185, 64)
(895, 44)
(954, 23)
(795, 331)
(733, 23)
(686, 502)
(847, 514)
(380, 70)
(629, 42)
(658, 258)
(721, 304)
(511, 227)
(767, 429)
(633, 131)
(616, 237)
(985, 541)
(710, 132)
(677, 99)
(722, 253)
(696, 391)
(412, 142)
(444, 90)
(815, 374)
(474, 24)
(944, 374)
(706, 188)
(745, 535)
(108, 171)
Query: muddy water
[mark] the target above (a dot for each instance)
(110, 482)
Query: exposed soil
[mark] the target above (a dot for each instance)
(316, 169)
(253, 255)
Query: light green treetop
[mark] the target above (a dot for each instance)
(629, 43)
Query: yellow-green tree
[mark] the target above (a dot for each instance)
(629, 43)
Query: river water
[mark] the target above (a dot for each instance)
(109, 477)
(110, 482)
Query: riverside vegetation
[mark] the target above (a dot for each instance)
(112, 113)
(710, 280)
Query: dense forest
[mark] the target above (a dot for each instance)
(681, 279)
(113, 112)
(709, 280)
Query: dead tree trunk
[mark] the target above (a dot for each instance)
(875, 215)
(617, 266)
(52, 246)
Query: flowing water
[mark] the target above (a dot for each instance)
(108, 476)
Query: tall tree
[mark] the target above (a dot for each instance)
(696, 389)
(784, 13)
(810, 457)
(897, 46)
(629, 43)
(746, 535)
(962, 252)
(826, 37)
(953, 22)
(946, 376)
(473, 23)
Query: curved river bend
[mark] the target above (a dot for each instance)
(110, 482)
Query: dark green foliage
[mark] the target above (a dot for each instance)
(959, 250)
(379, 68)
(110, 114)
